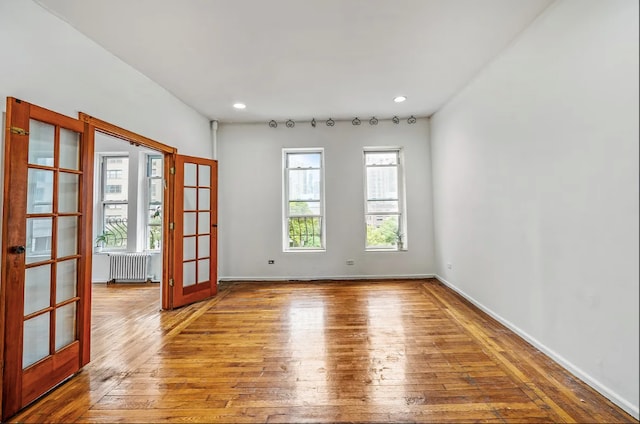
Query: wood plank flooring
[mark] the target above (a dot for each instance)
(392, 351)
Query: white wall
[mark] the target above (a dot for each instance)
(536, 190)
(49, 63)
(250, 201)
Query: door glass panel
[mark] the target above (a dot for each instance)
(189, 199)
(67, 236)
(39, 232)
(69, 149)
(189, 223)
(204, 176)
(65, 325)
(41, 137)
(37, 288)
(40, 191)
(204, 199)
(36, 340)
(66, 279)
(67, 192)
(204, 222)
(189, 248)
(190, 174)
(188, 274)
(203, 270)
(203, 246)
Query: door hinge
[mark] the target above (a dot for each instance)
(18, 131)
(172, 170)
(171, 282)
(171, 225)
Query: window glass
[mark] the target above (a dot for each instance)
(304, 200)
(155, 191)
(115, 206)
(384, 214)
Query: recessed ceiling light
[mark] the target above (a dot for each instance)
(239, 105)
(399, 99)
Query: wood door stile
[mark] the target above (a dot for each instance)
(13, 264)
(86, 243)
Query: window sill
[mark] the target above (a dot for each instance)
(305, 251)
(386, 250)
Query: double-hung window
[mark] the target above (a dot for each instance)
(115, 202)
(155, 186)
(303, 189)
(384, 199)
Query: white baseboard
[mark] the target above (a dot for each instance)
(595, 384)
(289, 278)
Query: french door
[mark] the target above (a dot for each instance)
(195, 230)
(46, 242)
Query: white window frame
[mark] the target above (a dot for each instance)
(285, 202)
(117, 158)
(147, 221)
(402, 211)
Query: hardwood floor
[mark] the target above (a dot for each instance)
(392, 351)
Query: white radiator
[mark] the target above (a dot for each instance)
(129, 267)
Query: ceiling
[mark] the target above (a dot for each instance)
(303, 59)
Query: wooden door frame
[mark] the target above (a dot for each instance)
(94, 124)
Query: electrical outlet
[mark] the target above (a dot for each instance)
(350, 262)
(271, 262)
(449, 266)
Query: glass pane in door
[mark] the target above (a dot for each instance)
(204, 199)
(204, 175)
(40, 191)
(69, 149)
(67, 236)
(190, 176)
(67, 192)
(204, 222)
(203, 246)
(189, 223)
(37, 282)
(65, 325)
(41, 140)
(189, 248)
(203, 271)
(36, 340)
(188, 274)
(39, 235)
(66, 280)
(190, 199)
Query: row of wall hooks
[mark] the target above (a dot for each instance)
(330, 122)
